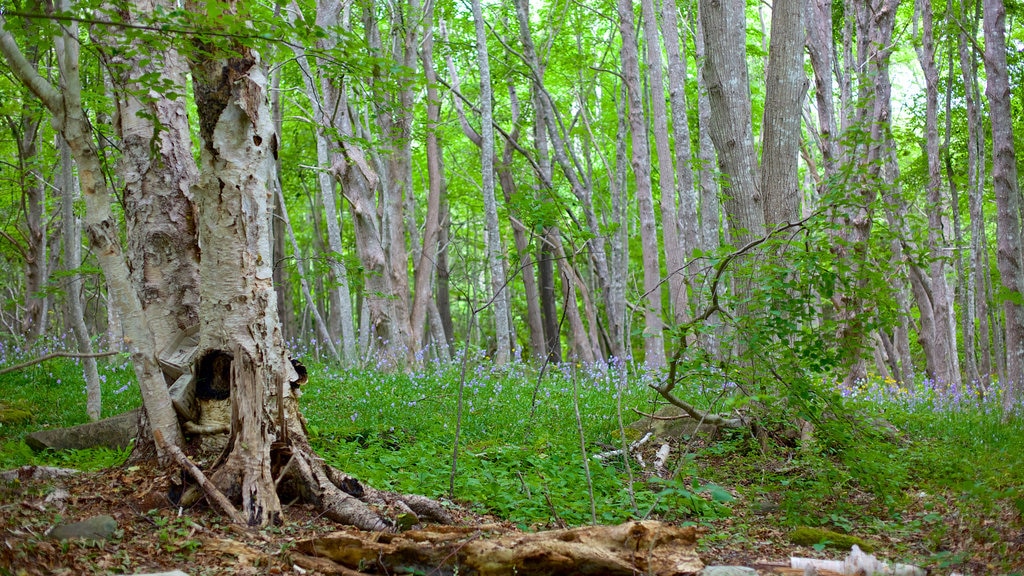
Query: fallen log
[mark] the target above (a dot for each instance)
(644, 547)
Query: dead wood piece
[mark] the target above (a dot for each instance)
(647, 547)
(215, 495)
(323, 566)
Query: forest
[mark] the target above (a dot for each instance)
(411, 262)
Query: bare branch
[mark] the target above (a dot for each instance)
(53, 355)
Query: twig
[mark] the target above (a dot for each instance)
(212, 492)
(53, 355)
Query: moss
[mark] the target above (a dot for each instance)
(806, 536)
(10, 415)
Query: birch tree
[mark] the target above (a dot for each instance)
(654, 346)
(64, 102)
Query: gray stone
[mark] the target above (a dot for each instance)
(95, 528)
(115, 432)
(728, 571)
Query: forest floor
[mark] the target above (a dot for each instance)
(153, 537)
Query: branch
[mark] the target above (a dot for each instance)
(53, 355)
(216, 496)
(27, 73)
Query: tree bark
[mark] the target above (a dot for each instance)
(785, 87)
(158, 170)
(687, 193)
(670, 233)
(1010, 259)
(73, 286)
(725, 74)
(654, 345)
(494, 252)
(425, 270)
(946, 371)
(978, 283)
(69, 118)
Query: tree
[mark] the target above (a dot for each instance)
(654, 345)
(494, 251)
(1010, 258)
(69, 118)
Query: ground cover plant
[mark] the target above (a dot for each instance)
(925, 475)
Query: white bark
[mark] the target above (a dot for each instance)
(72, 261)
(674, 253)
(70, 119)
(495, 255)
(654, 345)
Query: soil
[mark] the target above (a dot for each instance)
(152, 536)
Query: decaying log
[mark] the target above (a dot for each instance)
(644, 547)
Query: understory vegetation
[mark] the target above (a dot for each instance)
(885, 461)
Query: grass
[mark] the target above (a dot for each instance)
(520, 454)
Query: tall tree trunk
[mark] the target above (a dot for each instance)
(74, 284)
(69, 118)
(425, 270)
(654, 345)
(674, 252)
(977, 289)
(725, 74)
(158, 170)
(37, 273)
(282, 283)
(785, 87)
(947, 371)
(495, 255)
(822, 56)
(711, 224)
(964, 275)
(1010, 258)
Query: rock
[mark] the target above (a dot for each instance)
(727, 571)
(116, 432)
(95, 528)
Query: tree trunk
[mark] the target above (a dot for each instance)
(978, 282)
(495, 256)
(725, 74)
(654, 345)
(947, 371)
(1010, 259)
(241, 342)
(686, 190)
(425, 270)
(70, 119)
(822, 56)
(785, 87)
(158, 170)
(670, 233)
(711, 223)
(73, 286)
(25, 132)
